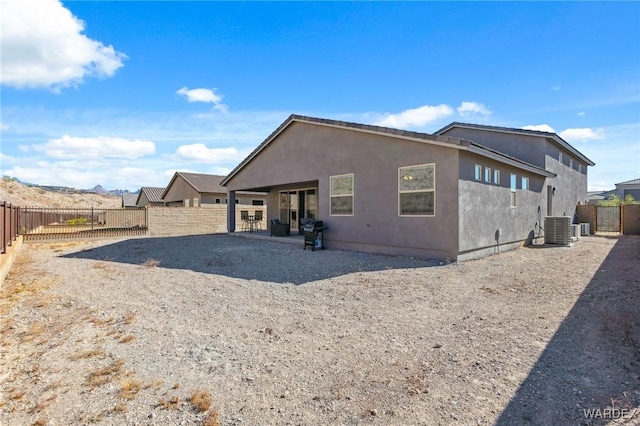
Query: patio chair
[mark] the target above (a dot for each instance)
(279, 229)
(257, 220)
(244, 217)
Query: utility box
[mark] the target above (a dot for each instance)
(557, 230)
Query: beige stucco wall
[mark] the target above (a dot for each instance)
(310, 153)
(176, 221)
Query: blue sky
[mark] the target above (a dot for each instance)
(123, 94)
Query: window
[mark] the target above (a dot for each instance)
(487, 174)
(341, 194)
(580, 167)
(496, 177)
(195, 202)
(478, 172)
(416, 190)
(571, 163)
(237, 201)
(525, 182)
(514, 180)
(257, 202)
(217, 200)
(560, 157)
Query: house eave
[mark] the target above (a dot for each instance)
(548, 135)
(479, 150)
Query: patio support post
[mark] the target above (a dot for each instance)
(231, 211)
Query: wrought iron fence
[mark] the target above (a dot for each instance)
(9, 224)
(38, 223)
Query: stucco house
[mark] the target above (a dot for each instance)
(150, 196)
(199, 189)
(630, 187)
(464, 192)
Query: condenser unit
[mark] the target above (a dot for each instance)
(575, 231)
(557, 230)
(585, 229)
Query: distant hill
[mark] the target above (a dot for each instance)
(30, 195)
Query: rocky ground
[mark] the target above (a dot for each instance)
(220, 330)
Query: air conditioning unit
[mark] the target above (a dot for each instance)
(575, 231)
(557, 230)
(585, 229)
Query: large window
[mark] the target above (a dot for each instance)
(341, 195)
(416, 190)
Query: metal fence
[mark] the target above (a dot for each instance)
(9, 224)
(38, 223)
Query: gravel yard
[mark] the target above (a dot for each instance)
(221, 330)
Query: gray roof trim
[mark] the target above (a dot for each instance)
(440, 140)
(553, 136)
(630, 182)
(367, 128)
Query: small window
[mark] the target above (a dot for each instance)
(580, 167)
(195, 202)
(341, 195)
(496, 177)
(237, 201)
(560, 157)
(571, 163)
(513, 183)
(487, 174)
(217, 200)
(525, 182)
(257, 202)
(416, 190)
(478, 172)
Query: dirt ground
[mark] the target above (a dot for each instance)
(220, 330)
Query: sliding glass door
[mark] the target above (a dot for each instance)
(298, 204)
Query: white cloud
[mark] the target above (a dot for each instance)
(581, 135)
(4, 126)
(540, 128)
(200, 153)
(68, 147)
(581, 114)
(416, 117)
(43, 46)
(556, 88)
(204, 95)
(467, 109)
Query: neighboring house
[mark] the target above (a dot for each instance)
(129, 201)
(466, 192)
(198, 189)
(594, 197)
(150, 196)
(630, 187)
